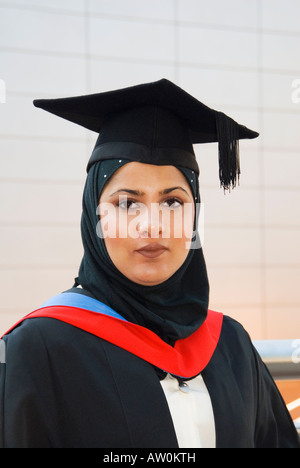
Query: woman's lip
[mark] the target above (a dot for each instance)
(152, 250)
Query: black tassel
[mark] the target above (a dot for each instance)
(229, 158)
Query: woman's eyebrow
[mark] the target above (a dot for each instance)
(139, 193)
(172, 189)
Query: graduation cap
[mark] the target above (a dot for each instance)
(154, 123)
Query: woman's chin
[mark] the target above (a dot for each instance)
(149, 276)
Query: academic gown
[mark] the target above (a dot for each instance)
(63, 387)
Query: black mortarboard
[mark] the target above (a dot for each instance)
(155, 123)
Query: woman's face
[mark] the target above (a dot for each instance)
(147, 217)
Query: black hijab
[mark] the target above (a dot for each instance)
(173, 309)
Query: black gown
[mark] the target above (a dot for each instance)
(62, 387)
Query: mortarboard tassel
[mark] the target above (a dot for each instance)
(229, 160)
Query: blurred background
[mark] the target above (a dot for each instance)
(241, 57)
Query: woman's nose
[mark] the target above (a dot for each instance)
(150, 222)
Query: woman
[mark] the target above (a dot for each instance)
(131, 356)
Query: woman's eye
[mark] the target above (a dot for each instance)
(172, 203)
(127, 205)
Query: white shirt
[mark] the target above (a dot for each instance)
(191, 412)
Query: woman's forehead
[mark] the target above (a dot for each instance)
(144, 175)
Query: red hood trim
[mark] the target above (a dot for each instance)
(187, 359)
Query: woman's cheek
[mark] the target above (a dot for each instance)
(181, 223)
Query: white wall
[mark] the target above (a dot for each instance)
(239, 56)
